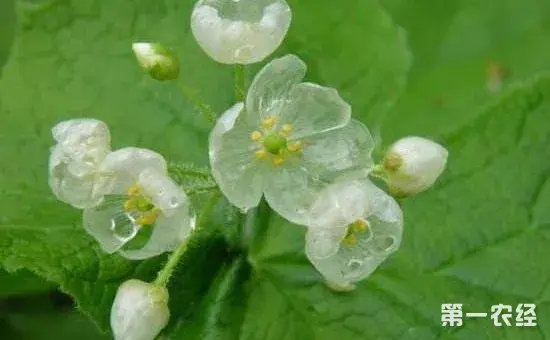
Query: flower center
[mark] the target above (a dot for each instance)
(354, 228)
(142, 206)
(273, 142)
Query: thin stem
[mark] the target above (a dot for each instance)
(199, 104)
(240, 86)
(166, 272)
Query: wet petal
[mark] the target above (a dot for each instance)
(121, 168)
(313, 109)
(273, 84)
(168, 233)
(233, 161)
(164, 193)
(83, 140)
(331, 154)
(240, 32)
(382, 236)
(109, 224)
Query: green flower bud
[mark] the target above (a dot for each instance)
(157, 60)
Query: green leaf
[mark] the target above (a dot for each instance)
(479, 238)
(21, 283)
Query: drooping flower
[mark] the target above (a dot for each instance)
(355, 226)
(143, 213)
(240, 31)
(413, 164)
(286, 142)
(159, 62)
(82, 144)
(140, 311)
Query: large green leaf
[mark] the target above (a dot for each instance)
(478, 238)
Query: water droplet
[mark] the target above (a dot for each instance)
(173, 202)
(354, 264)
(124, 227)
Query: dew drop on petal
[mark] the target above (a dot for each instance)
(354, 264)
(124, 227)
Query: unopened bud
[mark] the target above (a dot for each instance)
(413, 164)
(157, 60)
(140, 311)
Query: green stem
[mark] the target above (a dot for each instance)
(198, 103)
(166, 272)
(240, 86)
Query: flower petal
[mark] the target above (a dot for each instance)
(313, 109)
(382, 237)
(232, 158)
(164, 193)
(331, 154)
(293, 187)
(168, 233)
(249, 36)
(109, 224)
(121, 168)
(73, 182)
(83, 140)
(272, 85)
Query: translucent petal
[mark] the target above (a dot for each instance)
(168, 233)
(272, 85)
(121, 168)
(382, 237)
(313, 109)
(240, 32)
(140, 311)
(164, 193)
(83, 140)
(232, 159)
(72, 182)
(109, 224)
(293, 187)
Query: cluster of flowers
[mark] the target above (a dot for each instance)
(292, 142)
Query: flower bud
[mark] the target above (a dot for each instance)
(158, 61)
(413, 164)
(140, 311)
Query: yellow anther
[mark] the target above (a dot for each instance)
(256, 136)
(360, 226)
(295, 146)
(267, 123)
(149, 217)
(287, 128)
(134, 190)
(278, 160)
(261, 153)
(350, 240)
(130, 204)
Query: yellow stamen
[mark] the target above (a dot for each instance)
(256, 136)
(295, 146)
(350, 240)
(261, 153)
(278, 160)
(130, 204)
(267, 123)
(149, 217)
(360, 226)
(287, 128)
(134, 190)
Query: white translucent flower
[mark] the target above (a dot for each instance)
(82, 144)
(355, 226)
(158, 61)
(240, 31)
(143, 213)
(286, 142)
(140, 311)
(413, 164)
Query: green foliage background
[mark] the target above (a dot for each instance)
(480, 237)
